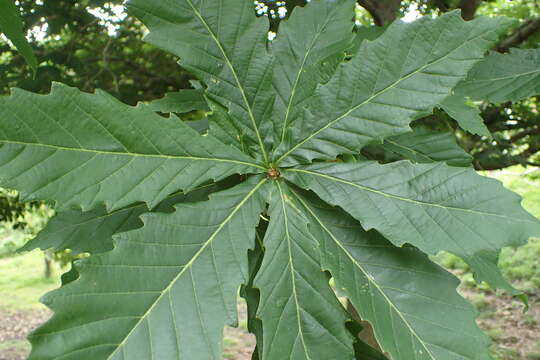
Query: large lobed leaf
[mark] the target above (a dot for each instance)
(166, 289)
(424, 145)
(393, 80)
(301, 317)
(388, 285)
(497, 78)
(223, 44)
(92, 231)
(85, 150)
(467, 115)
(504, 77)
(164, 292)
(310, 46)
(434, 207)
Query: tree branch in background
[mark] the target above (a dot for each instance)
(490, 116)
(468, 8)
(520, 35)
(382, 11)
(525, 133)
(441, 5)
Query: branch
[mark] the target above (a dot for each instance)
(492, 115)
(520, 35)
(468, 8)
(370, 7)
(525, 133)
(484, 161)
(382, 11)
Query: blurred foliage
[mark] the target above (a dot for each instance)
(12, 210)
(75, 47)
(20, 221)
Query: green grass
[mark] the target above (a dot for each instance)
(23, 282)
(527, 187)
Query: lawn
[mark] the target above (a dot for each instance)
(22, 281)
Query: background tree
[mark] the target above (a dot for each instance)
(75, 47)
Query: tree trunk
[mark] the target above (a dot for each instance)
(48, 264)
(382, 11)
(468, 8)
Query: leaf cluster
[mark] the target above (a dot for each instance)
(277, 191)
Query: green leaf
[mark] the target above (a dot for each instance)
(182, 101)
(84, 150)
(424, 145)
(395, 79)
(467, 115)
(166, 288)
(165, 291)
(200, 126)
(224, 45)
(69, 276)
(504, 77)
(365, 352)
(310, 46)
(11, 25)
(301, 316)
(93, 231)
(389, 285)
(222, 127)
(363, 33)
(434, 207)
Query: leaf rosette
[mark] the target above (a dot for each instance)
(270, 194)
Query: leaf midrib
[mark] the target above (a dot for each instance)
(369, 279)
(368, 100)
(189, 264)
(513, 76)
(397, 197)
(131, 154)
(299, 74)
(421, 155)
(293, 271)
(235, 75)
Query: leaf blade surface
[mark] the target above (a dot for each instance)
(431, 206)
(92, 231)
(467, 115)
(301, 317)
(397, 78)
(84, 150)
(504, 77)
(424, 145)
(310, 46)
(388, 285)
(173, 288)
(223, 44)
